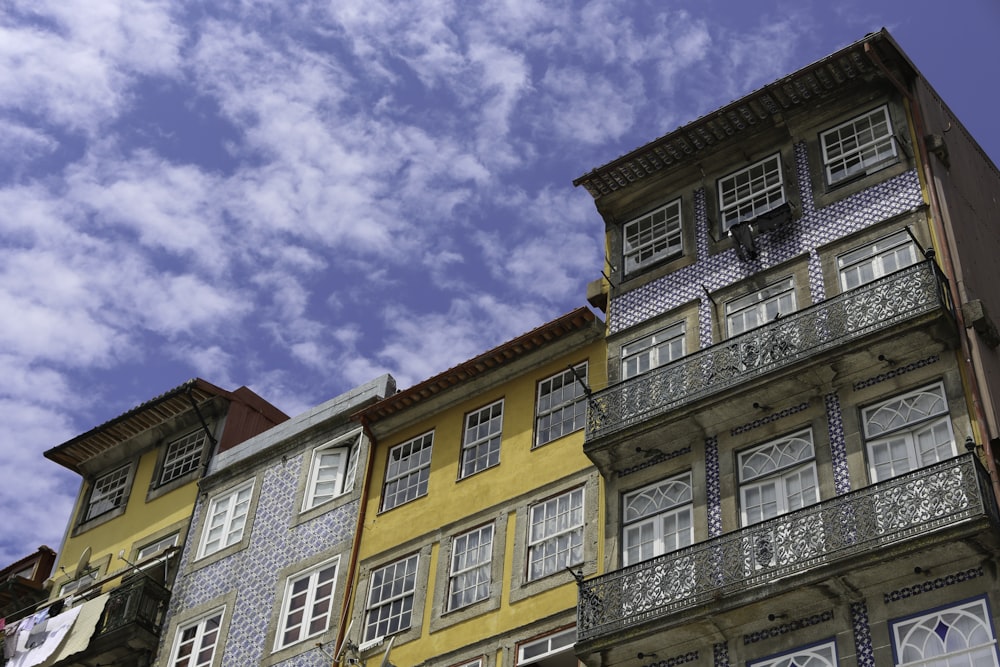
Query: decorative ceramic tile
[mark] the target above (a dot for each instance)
(895, 372)
(720, 652)
(814, 228)
(713, 491)
(785, 628)
(274, 545)
(862, 635)
(838, 445)
(933, 585)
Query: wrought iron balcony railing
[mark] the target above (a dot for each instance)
(139, 602)
(833, 531)
(879, 305)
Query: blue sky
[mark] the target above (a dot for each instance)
(300, 196)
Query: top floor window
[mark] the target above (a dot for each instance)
(110, 492)
(876, 260)
(183, 456)
(753, 310)
(860, 144)
(408, 471)
(653, 237)
(908, 432)
(662, 347)
(481, 440)
(750, 192)
(561, 408)
(332, 471)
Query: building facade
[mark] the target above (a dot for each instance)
(262, 578)
(481, 509)
(797, 437)
(110, 587)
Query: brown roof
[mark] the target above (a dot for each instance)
(821, 78)
(150, 414)
(506, 353)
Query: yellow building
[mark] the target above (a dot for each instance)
(140, 475)
(478, 502)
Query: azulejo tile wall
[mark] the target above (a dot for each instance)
(274, 544)
(814, 228)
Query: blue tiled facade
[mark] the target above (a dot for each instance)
(814, 228)
(273, 546)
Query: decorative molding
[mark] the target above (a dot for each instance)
(785, 628)
(932, 585)
(763, 421)
(690, 656)
(895, 372)
(659, 458)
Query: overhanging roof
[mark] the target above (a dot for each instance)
(803, 87)
(139, 419)
(502, 355)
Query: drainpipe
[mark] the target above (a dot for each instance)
(352, 564)
(969, 378)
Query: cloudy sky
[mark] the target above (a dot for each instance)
(299, 196)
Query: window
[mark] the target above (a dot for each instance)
(307, 604)
(469, 579)
(908, 432)
(408, 470)
(556, 650)
(154, 548)
(821, 655)
(225, 519)
(332, 470)
(196, 643)
(753, 310)
(82, 582)
(750, 192)
(109, 492)
(555, 534)
(657, 519)
(874, 261)
(959, 636)
(857, 146)
(481, 441)
(653, 237)
(390, 599)
(777, 477)
(183, 456)
(647, 353)
(561, 408)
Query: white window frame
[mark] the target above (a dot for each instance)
(644, 354)
(911, 635)
(557, 642)
(858, 146)
(750, 192)
(398, 603)
(151, 549)
(228, 511)
(652, 237)
(560, 405)
(823, 654)
(766, 305)
(332, 469)
(879, 259)
(658, 511)
(183, 456)
(111, 488)
(80, 582)
(198, 639)
(481, 439)
(555, 533)
(314, 601)
(784, 466)
(408, 469)
(895, 426)
(471, 567)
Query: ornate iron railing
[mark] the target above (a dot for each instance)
(140, 601)
(832, 531)
(881, 304)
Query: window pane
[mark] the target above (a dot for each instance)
(408, 471)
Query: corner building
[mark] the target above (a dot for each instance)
(481, 509)
(797, 436)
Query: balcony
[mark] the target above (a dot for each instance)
(884, 519)
(130, 622)
(878, 306)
